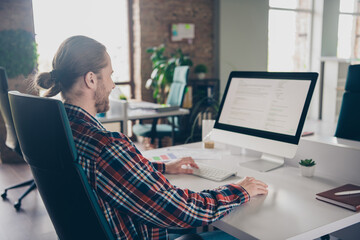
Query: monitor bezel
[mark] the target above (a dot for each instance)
(306, 76)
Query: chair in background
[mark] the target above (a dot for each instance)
(11, 139)
(348, 125)
(175, 98)
(47, 144)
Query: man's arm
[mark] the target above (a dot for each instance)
(159, 166)
(140, 191)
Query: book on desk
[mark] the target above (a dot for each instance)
(349, 201)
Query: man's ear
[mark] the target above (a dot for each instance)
(90, 80)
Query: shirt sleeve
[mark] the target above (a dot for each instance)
(131, 184)
(159, 166)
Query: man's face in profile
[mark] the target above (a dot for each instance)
(105, 85)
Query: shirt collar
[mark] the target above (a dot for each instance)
(78, 112)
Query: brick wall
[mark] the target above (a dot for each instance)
(152, 22)
(16, 14)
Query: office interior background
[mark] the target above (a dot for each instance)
(246, 35)
(229, 35)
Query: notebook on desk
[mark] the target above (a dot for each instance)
(349, 201)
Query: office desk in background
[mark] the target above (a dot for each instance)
(125, 114)
(290, 210)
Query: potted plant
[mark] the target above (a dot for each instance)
(18, 53)
(200, 70)
(163, 70)
(307, 167)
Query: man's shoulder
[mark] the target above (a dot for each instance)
(87, 132)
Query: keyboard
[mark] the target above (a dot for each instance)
(212, 173)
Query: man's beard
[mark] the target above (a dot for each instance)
(101, 99)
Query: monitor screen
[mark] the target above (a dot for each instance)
(265, 112)
(267, 105)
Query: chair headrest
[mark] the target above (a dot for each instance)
(353, 79)
(181, 74)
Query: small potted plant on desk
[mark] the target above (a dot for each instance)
(307, 167)
(200, 70)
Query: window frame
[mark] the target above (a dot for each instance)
(131, 81)
(354, 36)
(301, 10)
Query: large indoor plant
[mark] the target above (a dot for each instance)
(18, 55)
(18, 52)
(163, 70)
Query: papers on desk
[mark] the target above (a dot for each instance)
(176, 153)
(152, 106)
(142, 105)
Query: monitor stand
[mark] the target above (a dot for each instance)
(266, 163)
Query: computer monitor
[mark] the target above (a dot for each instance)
(265, 112)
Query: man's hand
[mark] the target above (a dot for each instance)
(253, 187)
(176, 166)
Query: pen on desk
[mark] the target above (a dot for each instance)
(347, 193)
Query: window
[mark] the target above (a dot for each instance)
(349, 29)
(289, 35)
(104, 20)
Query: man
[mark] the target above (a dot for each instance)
(134, 195)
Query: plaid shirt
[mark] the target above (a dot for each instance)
(134, 195)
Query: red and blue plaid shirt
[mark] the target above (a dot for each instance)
(134, 195)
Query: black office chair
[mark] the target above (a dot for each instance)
(175, 98)
(11, 139)
(348, 125)
(47, 144)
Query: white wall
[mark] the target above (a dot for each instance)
(330, 28)
(243, 37)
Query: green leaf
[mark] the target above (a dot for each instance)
(150, 50)
(148, 83)
(154, 73)
(307, 162)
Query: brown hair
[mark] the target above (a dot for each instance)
(75, 57)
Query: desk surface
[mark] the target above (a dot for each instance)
(289, 211)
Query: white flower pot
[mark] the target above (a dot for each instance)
(307, 171)
(201, 75)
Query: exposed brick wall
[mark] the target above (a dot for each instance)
(152, 23)
(14, 14)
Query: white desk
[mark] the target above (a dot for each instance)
(290, 210)
(126, 114)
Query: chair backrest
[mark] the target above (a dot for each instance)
(178, 86)
(48, 147)
(178, 89)
(348, 125)
(11, 139)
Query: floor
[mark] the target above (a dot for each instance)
(32, 221)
